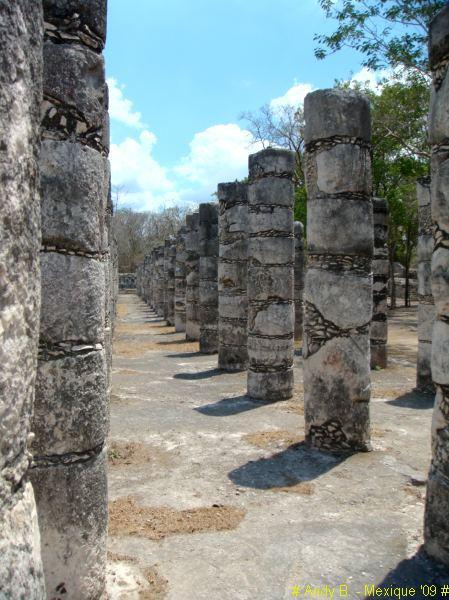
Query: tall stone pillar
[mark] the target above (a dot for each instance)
(270, 275)
(338, 293)
(232, 277)
(21, 574)
(192, 278)
(169, 280)
(381, 272)
(436, 530)
(299, 278)
(71, 414)
(151, 280)
(180, 280)
(426, 307)
(159, 283)
(208, 274)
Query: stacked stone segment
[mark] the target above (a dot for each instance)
(71, 415)
(180, 280)
(381, 271)
(426, 307)
(208, 277)
(299, 273)
(232, 276)
(436, 530)
(339, 285)
(192, 277)
(270, 275)
(21, 31)
(169, 279)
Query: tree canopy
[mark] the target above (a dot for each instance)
(388, 33)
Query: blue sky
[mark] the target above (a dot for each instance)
(180, 74)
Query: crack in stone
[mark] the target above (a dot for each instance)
(48, 352)
(320, 330)
(317, 146)
(340, 262)
(101, 256)
(62, 122)
(70, 458)
(72, 31)
(266, 368)
(272, 233)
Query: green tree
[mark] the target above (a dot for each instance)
(400, 156)
(389, 33)
(282, 127)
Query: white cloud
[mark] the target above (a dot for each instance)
(219, 153)
(293, 97)
(372, 79)
(144, 182)
(120, 108)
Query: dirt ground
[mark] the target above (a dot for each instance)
(215, 496)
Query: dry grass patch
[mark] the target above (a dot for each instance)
(296, 404)
(277, 437)
(158, 585)
(132, 453)
(303, 488)
(126, 517)
(135, 348)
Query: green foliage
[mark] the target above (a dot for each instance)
(389, 33)
(301, 205)
(400, 155)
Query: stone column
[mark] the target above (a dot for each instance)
(151, 280)
(159, 301)
(169, 277)
(426, 307)
(208, 274)
(436, 530)
(299, 278)
(21, 574)
(381, 272)
(338, 295)
(169, 281)
(71, 414)
(270, 275)
(180, 280)
(232, 277)
(192, 278)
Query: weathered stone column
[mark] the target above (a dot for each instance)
(381, 272)
(192, 278)
(208, 274)
(159, 300)
(426, 307)
(171, 282)
(21, 574)
(151, 280)
(270, 275)
(180, 280)
(299, 278)
(436, 531)
(232, 277)
(338, 294)
(169, 273)
(71, 414)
